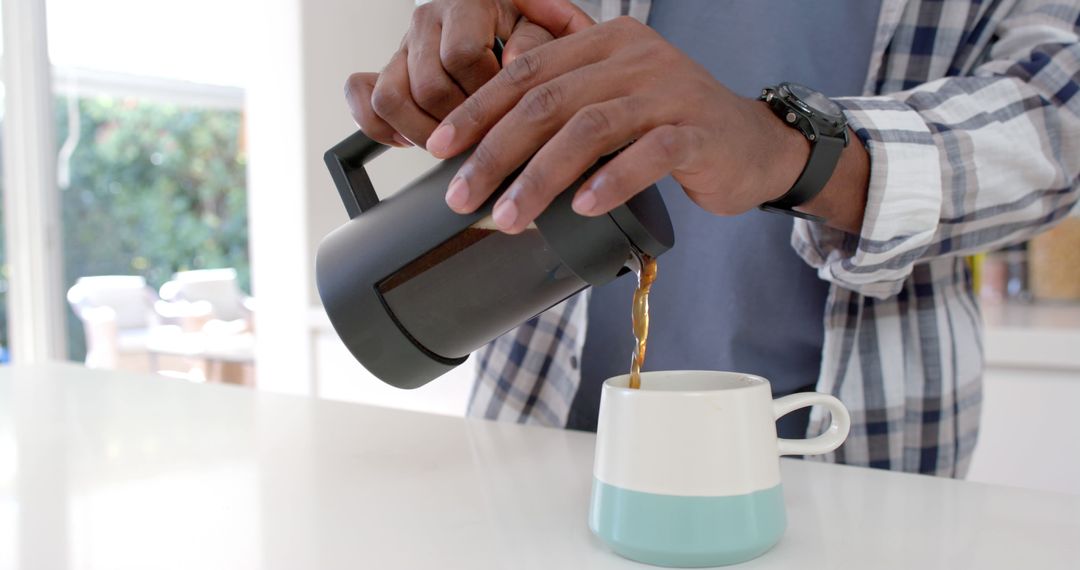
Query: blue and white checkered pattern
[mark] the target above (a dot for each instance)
(971, 116)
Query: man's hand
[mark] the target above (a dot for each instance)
(594, 90)
(445, 56)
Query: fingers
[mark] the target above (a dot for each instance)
(525, 37)
(430, 86)
(658, 153)
(392, 101)
(560, 17)
(358, 91)
(468, 34)
(541, 113)
(466, 124)
(594, 131)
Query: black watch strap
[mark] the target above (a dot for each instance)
(824, 155)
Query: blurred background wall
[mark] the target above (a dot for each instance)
(303, 53)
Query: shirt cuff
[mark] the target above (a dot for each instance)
(903, 203)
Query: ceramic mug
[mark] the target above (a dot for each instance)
(687, 469)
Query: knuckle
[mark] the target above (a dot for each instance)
(422, 13)
(431, 94)
(524, 69)
(472, 111)
(592, 121)
(542, 102)
(387, 100)
(669, 142)
(462, 57)
(627, 23)
(483, 159)
(628, 28)
(531, 37)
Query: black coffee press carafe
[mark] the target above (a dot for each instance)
(412, 287)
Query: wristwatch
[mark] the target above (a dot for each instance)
(822, 122)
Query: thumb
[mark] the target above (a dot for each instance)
(558, 17)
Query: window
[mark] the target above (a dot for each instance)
(151, 163)
(198, 41)
(149, 188)
(150, 158)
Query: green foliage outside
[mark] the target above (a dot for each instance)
(155, 188)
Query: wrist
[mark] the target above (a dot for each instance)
(842, 203)
(784, 154)
(814, 169)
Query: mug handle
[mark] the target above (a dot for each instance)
(835, 435)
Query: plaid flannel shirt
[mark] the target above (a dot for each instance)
(971, 117)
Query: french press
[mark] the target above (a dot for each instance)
(412, 288)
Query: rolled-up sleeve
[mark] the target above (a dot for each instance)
(963, 164)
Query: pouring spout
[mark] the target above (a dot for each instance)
(636, 260)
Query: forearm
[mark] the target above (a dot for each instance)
(961, 164)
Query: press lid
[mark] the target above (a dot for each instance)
(645, 221)
(598, 248)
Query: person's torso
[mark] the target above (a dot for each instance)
(732, 294)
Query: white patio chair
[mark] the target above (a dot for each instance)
(117, 312)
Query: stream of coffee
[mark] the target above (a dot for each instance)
(646, 274)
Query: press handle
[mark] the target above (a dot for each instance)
(346, 162)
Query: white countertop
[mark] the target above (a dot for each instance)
(116, 471)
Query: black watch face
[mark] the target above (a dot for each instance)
(817, 102)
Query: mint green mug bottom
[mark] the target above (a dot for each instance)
(687, 532)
